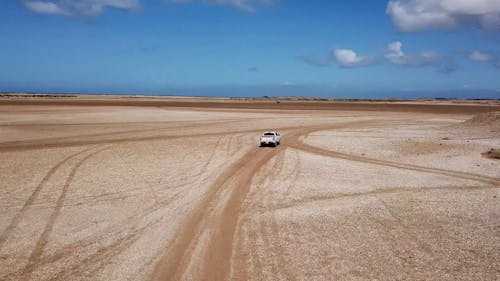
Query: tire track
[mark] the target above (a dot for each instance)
(34, 195)
(187, 180)
(220, 248)
(204, 167)
(61, 139)
(279, 249)
(96, 261)
(377, 192)
(422, 245)
(292, 176)
(297, 144)
(255, 260)
(135, 219)
(250, 261)
(239, 142)
(245, 264)
(215, 266)
(37, 252)
(78, 141)
(216, 263)
(154, 195)
(267, 224)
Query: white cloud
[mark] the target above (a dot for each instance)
(491, 21)
(97, 7)
(480, 57)
(349, 58)
(396, 55)
(49, 8)
(243, 5)
(79, 7)
(311, 60)
(418, 15)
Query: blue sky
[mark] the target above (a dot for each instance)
(355, 48)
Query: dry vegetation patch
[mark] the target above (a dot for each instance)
(411, 147)
(489, 120)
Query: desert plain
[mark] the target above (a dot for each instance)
(115, 188)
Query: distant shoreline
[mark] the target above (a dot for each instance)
(263, 103)
(289, 98)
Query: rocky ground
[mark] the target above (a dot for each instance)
(91, 192)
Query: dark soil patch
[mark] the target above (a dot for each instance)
(492, 154)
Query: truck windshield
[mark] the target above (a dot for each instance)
(269, 134)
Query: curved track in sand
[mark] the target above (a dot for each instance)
(185, 206)
(220, 224)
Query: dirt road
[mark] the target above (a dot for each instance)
(164, 193)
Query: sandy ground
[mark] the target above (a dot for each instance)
(116, 192)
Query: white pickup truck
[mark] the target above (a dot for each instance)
(270, 138)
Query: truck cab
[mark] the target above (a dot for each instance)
(270, 138)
